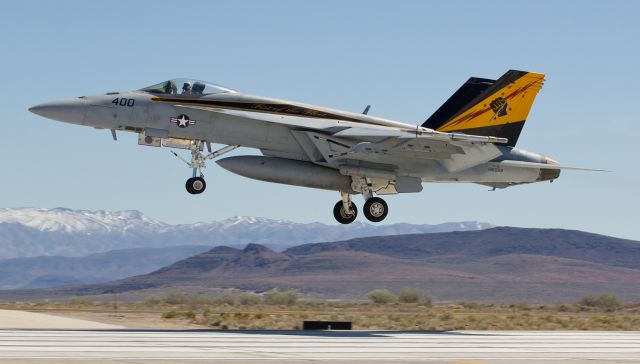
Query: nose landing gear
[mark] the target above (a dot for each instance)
(196, 184)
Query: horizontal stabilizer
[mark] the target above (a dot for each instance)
(522, 164)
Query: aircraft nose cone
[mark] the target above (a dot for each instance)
(67, 110)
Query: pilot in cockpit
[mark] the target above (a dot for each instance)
(170, 88)
(186, 88)
(198, 88)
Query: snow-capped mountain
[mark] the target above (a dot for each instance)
(81, 221)
(28, 232)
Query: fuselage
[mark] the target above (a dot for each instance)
(155, 115)
(471, 138)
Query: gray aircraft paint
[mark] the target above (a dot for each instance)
(272, 139)
(326, 150)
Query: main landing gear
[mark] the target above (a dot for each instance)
(345, 211)
(375, 209)
(196, 184)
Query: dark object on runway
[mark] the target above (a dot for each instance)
(326, 325)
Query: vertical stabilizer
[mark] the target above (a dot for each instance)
(490, 108)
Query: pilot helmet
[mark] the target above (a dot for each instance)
(187, 85)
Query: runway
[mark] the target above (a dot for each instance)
(13, 319)
(131, 346)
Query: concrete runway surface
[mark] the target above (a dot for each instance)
(133, 346)
(13, 319)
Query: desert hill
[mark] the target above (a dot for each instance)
(499, 264)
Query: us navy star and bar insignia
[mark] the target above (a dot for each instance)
(182, 120)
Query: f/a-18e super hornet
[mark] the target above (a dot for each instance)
(470, 138)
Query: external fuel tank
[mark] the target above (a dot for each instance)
(286, 171)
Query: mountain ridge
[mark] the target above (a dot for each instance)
(30, 232)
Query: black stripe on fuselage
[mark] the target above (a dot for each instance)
(265, 107)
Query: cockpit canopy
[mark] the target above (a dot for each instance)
(186, 87)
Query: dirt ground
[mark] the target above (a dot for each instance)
(364, 316)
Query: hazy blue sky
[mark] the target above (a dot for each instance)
(402, 57)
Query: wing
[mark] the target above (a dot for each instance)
(333, 141)
(453, 154)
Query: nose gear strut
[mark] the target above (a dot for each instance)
(196, 184)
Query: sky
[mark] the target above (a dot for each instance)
(405, 58)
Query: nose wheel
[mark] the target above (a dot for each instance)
(196, 185)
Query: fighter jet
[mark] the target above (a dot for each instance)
(471, 138)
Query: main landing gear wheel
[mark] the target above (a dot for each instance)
(375, 209)
(195, 185)
(342, 216)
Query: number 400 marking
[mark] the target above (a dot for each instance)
(123, 101)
